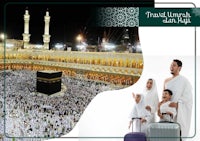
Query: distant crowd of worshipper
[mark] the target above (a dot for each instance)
(32, 114)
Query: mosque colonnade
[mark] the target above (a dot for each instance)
(116, 68)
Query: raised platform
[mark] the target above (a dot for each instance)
(48, 82)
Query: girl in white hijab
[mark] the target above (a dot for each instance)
(151, 99)
(139, 111)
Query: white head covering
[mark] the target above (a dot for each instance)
(153, 89)
(139, 108)
(151, 96)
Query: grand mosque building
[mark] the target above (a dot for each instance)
(122, 68)
(29, 113)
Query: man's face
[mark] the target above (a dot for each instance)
(174, 68)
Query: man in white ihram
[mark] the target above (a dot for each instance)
(182, 96)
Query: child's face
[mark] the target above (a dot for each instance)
(137, 98)
(166, 96)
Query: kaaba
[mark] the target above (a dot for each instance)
(48, 82)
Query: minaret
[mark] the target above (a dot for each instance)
(26, 35)
(46, 36)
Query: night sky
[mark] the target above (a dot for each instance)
(67, 21)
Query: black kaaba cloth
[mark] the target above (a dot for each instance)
(48, 82)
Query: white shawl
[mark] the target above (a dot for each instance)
(182, 93)
(139, 110)
(151, 97)
(164, 108)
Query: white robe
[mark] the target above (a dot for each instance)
(151, 99)
(164, 108)
(139, 111)
(182, 93)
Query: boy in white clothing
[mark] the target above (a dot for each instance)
(165, 112)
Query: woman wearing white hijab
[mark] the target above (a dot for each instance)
(139, 111)
(151, 99)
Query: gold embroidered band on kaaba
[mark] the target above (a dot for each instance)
(47, 80)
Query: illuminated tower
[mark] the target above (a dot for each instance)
(46, 36)
(26, 35)
(125, 37)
